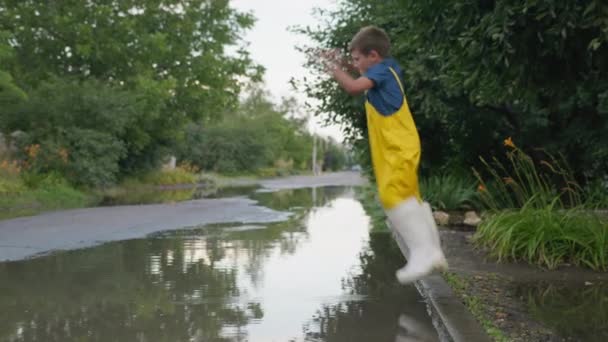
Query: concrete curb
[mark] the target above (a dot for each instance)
(450, 316)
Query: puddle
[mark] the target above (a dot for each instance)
(575, 313)
(319, 276)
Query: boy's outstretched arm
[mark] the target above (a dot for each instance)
(353, 86)
(334, 64)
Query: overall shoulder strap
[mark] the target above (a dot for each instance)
(398, 80)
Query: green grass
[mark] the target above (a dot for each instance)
(50, 193)
(449, 192)
(539, 214)
(475, 306)
(547, 237)
(368, 196)
(596, 194)
(177, 176)
(523, 181)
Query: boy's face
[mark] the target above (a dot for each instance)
(363, 62)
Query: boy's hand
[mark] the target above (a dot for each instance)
(331, 59)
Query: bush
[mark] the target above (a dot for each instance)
(86, 157)
(45, 192)
(523, 181)
(475, 71)
(10, 180)
(177, 176)
(548, 222)
(449, 192)
(546, 237)
(224, 148)
(73, 128)
(596, 194)
(368, 196)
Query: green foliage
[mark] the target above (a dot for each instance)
(224, 148)
(549, 226)
(117, 81)
(48, 192)
(176, 176)
(130, 42)
(596, 194)
(524, 182)
(9, 91)
(546, 236)
(461, 285)
(449, 191)
(138, 194)
(11, 185)
(260, 135)
(75, 128)
(334, 156)
(368, 196)
(479, 71)
(10, 178)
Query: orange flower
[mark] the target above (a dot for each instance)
(509, 142)
(32, 150)
(10, 167)
(63, 154)
(481, 188)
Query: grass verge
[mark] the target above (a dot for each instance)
(449, 192)
(546, 237)
(368, 196)
(51, 193)
(475, 305)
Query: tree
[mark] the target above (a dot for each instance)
(10, 93)
(172, 54)
(479, 71)
(334, 156)
(124, 41)
(76, 128)
(258, 135)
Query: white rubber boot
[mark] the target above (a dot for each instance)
(410, 220)
(429, 214)
(411, 330)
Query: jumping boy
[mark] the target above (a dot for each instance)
(395, 148)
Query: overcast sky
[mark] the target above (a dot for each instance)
(273, 46)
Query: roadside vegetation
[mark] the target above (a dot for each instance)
(538, 213)
(108, 103)
(450, 191)
(467, 69)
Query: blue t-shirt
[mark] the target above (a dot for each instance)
(385, 95)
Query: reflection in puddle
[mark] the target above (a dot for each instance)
(575, 313)
(320, 276)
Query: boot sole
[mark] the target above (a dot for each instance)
(440, 266)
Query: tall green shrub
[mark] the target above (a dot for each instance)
(75, 128)
(478, 71)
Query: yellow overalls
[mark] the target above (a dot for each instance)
(395, 148)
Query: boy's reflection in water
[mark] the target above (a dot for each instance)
(411, 330)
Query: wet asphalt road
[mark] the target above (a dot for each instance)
(73, 229)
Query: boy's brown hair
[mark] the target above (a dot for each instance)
(371, 38)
